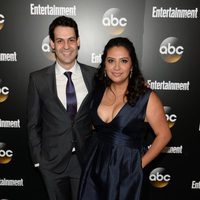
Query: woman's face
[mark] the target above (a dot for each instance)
(118, 64)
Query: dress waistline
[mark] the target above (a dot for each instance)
(119, 138)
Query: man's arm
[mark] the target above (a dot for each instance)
(34, 121)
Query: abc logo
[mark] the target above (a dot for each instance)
(113, 22)
(5, 154)
(159, 177)
(170, 50)
(47, 49)
(1, 21)
(171, 118)
(4, 91)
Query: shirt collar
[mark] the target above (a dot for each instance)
(60, 70)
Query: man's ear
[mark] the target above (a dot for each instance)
(51, 43)
(78, 42)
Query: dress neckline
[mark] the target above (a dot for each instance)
(100, 96)
(118, 113)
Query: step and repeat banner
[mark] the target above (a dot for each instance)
(170, 62)
(166, 38)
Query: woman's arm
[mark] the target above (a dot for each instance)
(155, 116)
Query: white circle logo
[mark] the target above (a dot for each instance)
(4, 92)
(170, 49)
(159, 177)
(5, 154)
(47, 50)
(113, 22)
(171, 117)
(2, 20)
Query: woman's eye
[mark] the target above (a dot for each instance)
(110, 60)
(124, 61)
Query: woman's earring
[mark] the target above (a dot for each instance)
(130, 75)
(105, 74)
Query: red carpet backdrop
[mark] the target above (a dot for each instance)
(166, 37)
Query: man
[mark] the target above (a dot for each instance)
(57, 134)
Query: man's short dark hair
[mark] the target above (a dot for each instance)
(63, 21)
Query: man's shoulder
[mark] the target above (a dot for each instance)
(88, 68)
(41, 71)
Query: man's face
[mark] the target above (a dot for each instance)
(65, 45)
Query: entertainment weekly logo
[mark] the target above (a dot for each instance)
(168, 85)
(174, 13)
(195, 185)
(52, 10)
(95, 58)
(172, 149)
(10, 123)
(11, 182)
(8, 57)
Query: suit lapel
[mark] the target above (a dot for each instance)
(52, 84)
(87, 80)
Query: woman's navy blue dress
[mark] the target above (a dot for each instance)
(113, 158)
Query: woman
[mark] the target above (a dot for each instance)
(123, 108)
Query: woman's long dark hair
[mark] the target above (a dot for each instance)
(136, 85)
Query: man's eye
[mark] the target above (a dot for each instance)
(59, 41)
(72, 40)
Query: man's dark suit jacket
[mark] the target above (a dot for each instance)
(51, 132)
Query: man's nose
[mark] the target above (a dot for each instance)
(66, 44)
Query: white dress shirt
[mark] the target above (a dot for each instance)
(77, 79)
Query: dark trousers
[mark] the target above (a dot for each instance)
(63, 186)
